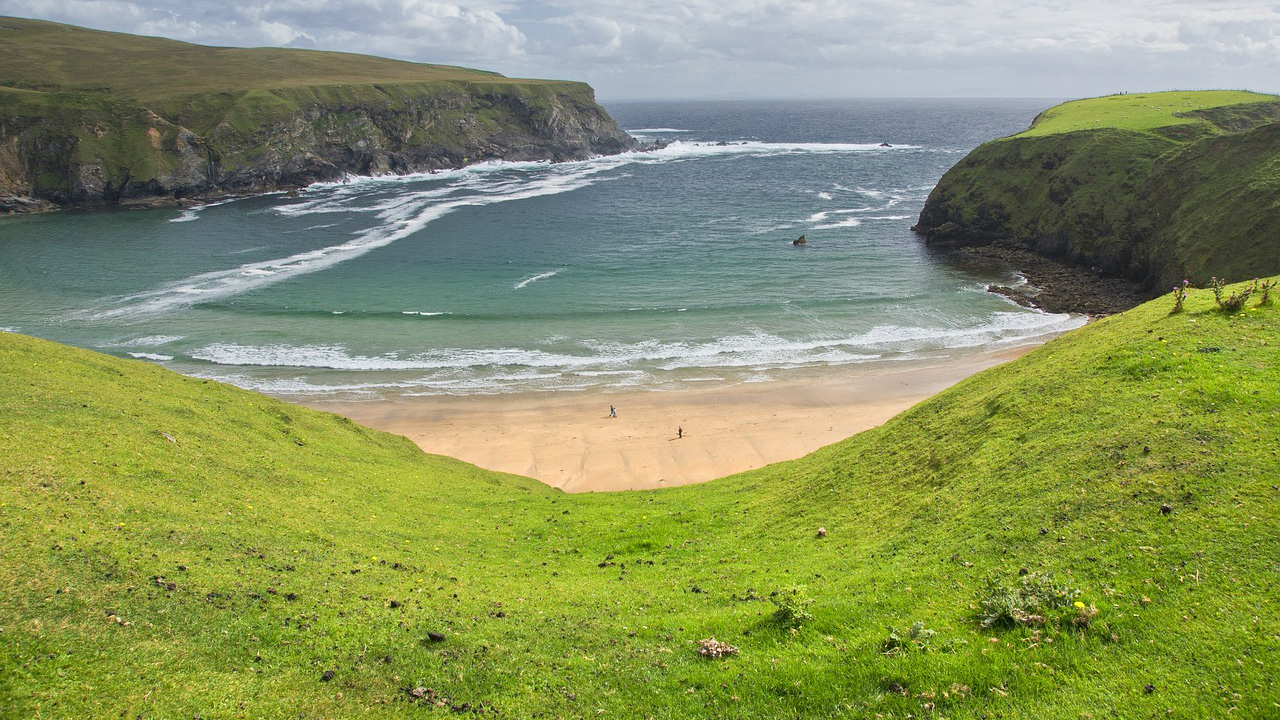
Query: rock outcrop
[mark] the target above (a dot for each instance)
(90, 118)
(1155, 206)
(125, 153)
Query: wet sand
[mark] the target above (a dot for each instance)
(569, 440)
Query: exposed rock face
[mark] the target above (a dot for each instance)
(119, 152)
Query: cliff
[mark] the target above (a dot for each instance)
(1156, 187)
(92, 117)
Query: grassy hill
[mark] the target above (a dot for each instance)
(1158, 187)
(46, 56)
(95, 117)
(173, 547)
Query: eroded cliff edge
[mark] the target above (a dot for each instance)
(1156, 198)
(220, 121)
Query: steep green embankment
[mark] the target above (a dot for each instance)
(91, 117)
(1158, 187)
(171, 547)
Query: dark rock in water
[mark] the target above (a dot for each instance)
(1052, 286)
(799, 241)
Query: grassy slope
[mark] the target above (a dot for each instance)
(298, 543)
(1159, 186)
(51, 56)
(1141, 112)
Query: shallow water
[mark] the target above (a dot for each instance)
(650, 270)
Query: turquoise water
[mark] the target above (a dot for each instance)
(649, 270)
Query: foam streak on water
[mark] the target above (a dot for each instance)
(650, 269)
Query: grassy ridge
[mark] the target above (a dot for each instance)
(54, 57)
(172, 546)
(1157, 187)
(1140, 112)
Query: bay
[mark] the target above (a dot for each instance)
(651, 270)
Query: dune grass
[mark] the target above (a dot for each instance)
(171, 547)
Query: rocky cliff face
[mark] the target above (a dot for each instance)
(77, 150)
(1156, 207)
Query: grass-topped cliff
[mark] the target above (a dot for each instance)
(92, 116)
(172, 547)
(1158, 187)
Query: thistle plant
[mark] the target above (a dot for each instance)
(1179, 296)
(1233, 302)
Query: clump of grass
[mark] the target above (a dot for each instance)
(1179, 296)
(793, 606)
(1036, 599)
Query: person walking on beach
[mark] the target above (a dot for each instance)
(613, 411)
(679, 432)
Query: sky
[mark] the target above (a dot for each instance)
(765, 49)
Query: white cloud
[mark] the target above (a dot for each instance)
(763, 47)
(422, 30)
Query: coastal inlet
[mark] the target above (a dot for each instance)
(647, 270)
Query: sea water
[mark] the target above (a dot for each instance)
(659, 269)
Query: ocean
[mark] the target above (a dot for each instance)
(655, 270)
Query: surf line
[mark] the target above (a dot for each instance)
(534, 279)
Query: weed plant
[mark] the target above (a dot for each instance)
(1179, 296)
(1231, 303)
(794, 606)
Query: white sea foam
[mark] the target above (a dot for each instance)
(321, 226)
(193, 212)
(757, 349)
(422, 313)
(399, 217)
(651, 131)
(851, 222)
(533, 279)
(612, 364)
(150, 356)
(824, 196)
(405, 213)
(9, 329)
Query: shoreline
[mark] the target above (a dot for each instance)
(1055, 286)
(569, 440)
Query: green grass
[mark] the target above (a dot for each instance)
(172, 547)
(1139, 112)
(41, 55)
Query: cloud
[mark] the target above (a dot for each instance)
(422, 30)
(765, 47)
(937, 46)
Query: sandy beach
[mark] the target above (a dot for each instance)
(569, 440)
